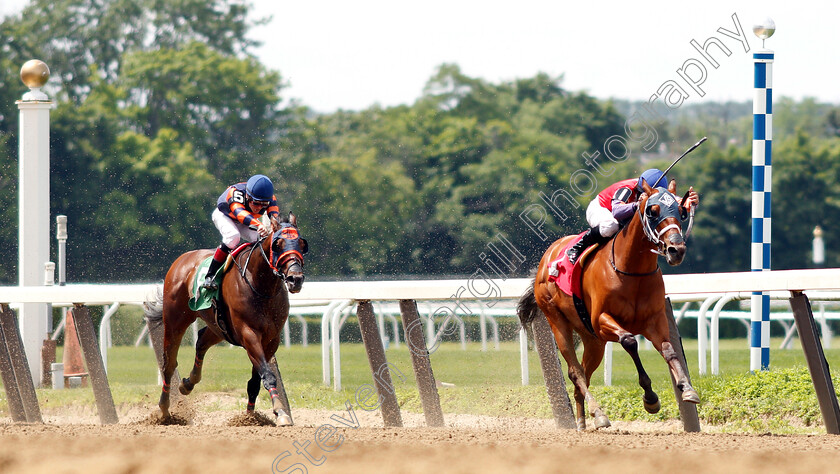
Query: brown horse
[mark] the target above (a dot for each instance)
(624, 293)
(253, 299)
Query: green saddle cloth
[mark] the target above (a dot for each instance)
(203, 298)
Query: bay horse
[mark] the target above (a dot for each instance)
(624, 293)
(253, 298)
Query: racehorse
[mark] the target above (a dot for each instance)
(624, 293)
(254, 301)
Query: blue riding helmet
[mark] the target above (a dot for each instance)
(654, 177)
(259, 188)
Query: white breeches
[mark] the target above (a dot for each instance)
(602, 218)
(232, 230)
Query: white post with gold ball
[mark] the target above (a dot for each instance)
(34, 206)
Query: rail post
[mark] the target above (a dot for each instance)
(429, 396)
(817, 365)
(379, 366)
(20, 389)
(555, 384)
(93, 358)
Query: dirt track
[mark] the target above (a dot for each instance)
(225, 441)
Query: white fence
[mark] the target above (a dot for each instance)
(334, 302)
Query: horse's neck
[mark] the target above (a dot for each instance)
(260, 274)
(633, 251)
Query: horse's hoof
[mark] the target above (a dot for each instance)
(690, 396)
(186, 387)
(284, 420)
(652, 407)
(581, 424)
(602, 422)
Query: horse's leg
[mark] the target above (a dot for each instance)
(253, 346)
(670, 355)
(577, 375)
(650, 399)
(173, 332)
(593, 354)
(206, 340)
(660, 338)
(253, 389)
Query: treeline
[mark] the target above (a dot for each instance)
(160, 105)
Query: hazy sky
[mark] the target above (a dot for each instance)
(353, 54)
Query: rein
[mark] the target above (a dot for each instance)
(621, 272)
(243, 269)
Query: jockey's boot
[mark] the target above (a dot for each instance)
(592, 236)
(218, 259)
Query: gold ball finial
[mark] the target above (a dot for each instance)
(34, 73)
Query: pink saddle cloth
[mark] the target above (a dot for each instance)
(564, 273)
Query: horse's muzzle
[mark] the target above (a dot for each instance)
(294, 283)
(675, 249)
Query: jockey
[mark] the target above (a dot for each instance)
(237, 214)
(615, 206)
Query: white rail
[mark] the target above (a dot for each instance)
(422, 290)
(336, 297)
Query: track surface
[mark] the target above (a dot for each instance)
(227, 441)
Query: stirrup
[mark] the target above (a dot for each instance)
(210, 284)
(574, 251)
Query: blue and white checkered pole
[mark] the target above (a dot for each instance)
(761, 186)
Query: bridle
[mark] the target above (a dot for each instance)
(293, 251)
(668, 207)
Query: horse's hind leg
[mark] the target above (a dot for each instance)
(577, 374)
(650, 399)
(172, 335)
(593, 354)
(206, 340)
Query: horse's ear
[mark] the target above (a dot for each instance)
(646, 187)
(672, 186)
(292, 219)
(275, 223)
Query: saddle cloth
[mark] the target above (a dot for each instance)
(564, 273)
(202, 298)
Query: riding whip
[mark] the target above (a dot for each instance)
(681, 157)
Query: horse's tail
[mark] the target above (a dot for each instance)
(153, 310)
(527, 308)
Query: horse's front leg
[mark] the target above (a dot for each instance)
(206, 340)
(256, 353)
(650, 399)
(670, 355)
(253, 389)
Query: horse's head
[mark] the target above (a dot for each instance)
(287, 250)
(661, 215)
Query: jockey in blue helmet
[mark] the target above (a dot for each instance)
(615, 205)
(237, 215)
